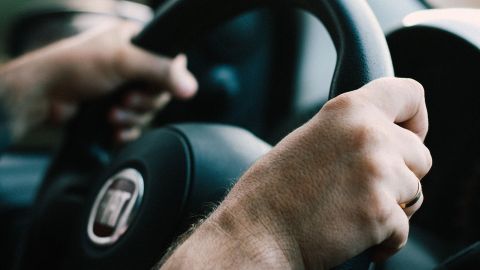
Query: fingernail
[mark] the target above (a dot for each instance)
(129, 135)
(162, 100)
(119, 116)
(188, 84)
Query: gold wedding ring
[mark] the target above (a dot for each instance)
(415, 199)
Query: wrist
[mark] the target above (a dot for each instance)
(229, 238)
(252, 226)
(270, 210)
(255, 236)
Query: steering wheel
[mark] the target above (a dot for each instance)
(96, 213)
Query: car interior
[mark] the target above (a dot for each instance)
(264, 68)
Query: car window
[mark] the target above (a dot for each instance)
(454, 3)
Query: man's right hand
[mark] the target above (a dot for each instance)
(328, 191)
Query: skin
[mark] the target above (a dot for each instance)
(46, 86)
(327, 192)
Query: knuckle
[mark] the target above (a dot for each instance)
(415, 88)
(428, 158)
(422, 153)
(425, 159)
(402, 229)
(369, 146)
(373, 167)
(381, 84)
(378, 213)
(342, 102)
(366, 136)
(128, 28)
(119, 62)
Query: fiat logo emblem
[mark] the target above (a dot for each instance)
(116, 205)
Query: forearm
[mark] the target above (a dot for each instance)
(243, 233)
(213, 246)
(327, 192)
(24, 85)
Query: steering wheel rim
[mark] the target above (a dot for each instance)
(361, 47)
(362, 50)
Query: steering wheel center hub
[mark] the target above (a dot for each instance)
(115, 206)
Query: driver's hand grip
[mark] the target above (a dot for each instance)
(362, 50)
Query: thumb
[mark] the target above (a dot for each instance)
(181, 83)
(134, 63)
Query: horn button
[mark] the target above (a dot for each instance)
(115, 206)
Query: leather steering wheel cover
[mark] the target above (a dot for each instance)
(362, 50)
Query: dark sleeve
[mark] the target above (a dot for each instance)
(5, 137)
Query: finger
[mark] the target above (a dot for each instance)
(403, 186)
(121, 117)
(397, 238)
(408, 188)
(411, 210)
(415, 154)
(402, 100)
(60, 112)
(142, 102)
(419, 125)
(126, 135)
(181, 82)
(129, 29)
(134, 63)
